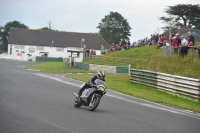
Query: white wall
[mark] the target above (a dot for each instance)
(98, 52)
(51, 52)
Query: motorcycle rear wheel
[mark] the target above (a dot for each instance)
(77, 102)
(94, 104)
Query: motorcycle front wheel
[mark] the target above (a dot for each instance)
(77, 102)
(94, 104)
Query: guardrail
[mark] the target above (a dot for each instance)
(49, 59)
(95, 67)
(182, 86)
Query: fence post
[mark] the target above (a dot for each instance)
(129, 69)
(199, 92)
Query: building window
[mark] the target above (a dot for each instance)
(19, 46)
(59, 49)
(16, 46)
(40, 48)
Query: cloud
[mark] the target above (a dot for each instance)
(84, 15)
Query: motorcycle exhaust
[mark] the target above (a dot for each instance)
(76, 95)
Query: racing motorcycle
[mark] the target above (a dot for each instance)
(91, 96)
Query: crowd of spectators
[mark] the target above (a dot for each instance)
(90, 53)
(179, 44)
(155, 39)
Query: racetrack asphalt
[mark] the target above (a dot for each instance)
(33, 102)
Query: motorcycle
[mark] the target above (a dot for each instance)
(91, 96)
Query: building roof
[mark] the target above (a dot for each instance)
(55, 38)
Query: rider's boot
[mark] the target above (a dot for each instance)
(82, 88)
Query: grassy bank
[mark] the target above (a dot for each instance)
(150, 58)
(56, 67)
(123, 85)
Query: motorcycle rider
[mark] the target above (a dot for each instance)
(101, 76)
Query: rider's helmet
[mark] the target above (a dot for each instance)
(101, 75)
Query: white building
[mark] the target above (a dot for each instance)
(26, 43)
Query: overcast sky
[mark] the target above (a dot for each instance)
(84, 15)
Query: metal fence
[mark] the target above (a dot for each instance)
(82, 65)
(49, 59)
(95, 67)
(183, 86)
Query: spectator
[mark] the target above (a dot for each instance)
(161, 40)
(175, 44)
(138, 43)
(152, 39)
(146, 41)
(178, 39)
(155, 39)
(117, 47)
(112, 49)
(124, 47)
(87, 52)
(106, 51)
(199, 51)
(92, 53)
(120, 47)
(167, 44)
(172, 36)
(184, 45)
(191, 43)
(132, 46)
(102, 49)
(164, 47)
(129, 44)
(149, 42)
(191, 39)
(114, 45)
(143, 41)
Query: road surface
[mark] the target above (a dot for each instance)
(33, 102)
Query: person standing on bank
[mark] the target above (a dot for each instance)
(175, 44)
(199, 51)
(102, 49)
(184, 45)
(164, 47)
(179, 41)
(191, 39)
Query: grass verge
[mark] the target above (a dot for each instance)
(150, 58)
(123, 85)
(56, 67)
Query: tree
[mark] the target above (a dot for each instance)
(1, 43)
(114, 28)
(157, 31)
(4, 32)
(49, 26)
(186, 16)
(45, 28)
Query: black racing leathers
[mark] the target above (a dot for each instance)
(91, 81)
